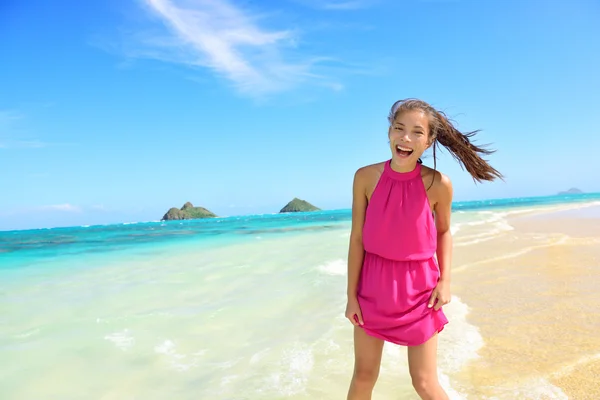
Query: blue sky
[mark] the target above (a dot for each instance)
(116, 110)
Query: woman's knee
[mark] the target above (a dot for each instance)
(366, 376)
(368, 350)
(426, 385)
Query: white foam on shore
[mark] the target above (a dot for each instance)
(549, 209)
(498, 228)
(27, 334)
(495, 224)
(498, 220)
(454, 228)
(335, 267)
(567, 369)
(291, 377)
(123, 340)
(458, 344)
(461, 338)
(258, 356)
(562, 239)
(533, 389)
(178, 361)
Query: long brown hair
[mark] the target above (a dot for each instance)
(441, 131)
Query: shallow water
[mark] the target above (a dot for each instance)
(253, 315)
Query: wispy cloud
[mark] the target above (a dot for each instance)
(231, 42)
(339, 5)
(345, 5)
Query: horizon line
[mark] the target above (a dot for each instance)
(564, 196)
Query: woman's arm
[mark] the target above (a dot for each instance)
(443, 210)
(356, 249)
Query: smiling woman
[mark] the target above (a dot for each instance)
(401, 245)
(441, 131)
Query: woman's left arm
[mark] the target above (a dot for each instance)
(443, 210)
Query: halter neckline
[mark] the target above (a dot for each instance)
(402, 176)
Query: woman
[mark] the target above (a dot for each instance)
(401, 246)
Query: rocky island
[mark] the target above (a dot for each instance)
(188, 211)
(297, 205)
(571, 191)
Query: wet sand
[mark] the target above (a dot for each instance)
(534, 294)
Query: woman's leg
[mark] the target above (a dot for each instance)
(367, 361)
(422, 363)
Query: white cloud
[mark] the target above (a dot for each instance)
(345, 5)
(338, 5)
(229, 40)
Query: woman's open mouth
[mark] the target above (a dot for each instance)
(403, 151)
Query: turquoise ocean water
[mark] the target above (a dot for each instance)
(245, 307)
(32, 247)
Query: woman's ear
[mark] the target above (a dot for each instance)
(430, 141)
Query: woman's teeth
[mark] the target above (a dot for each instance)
(404, 151)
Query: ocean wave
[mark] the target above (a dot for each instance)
(294, 370)
(533, 389)
(454, 228)
(335, 267)
(122, 340)
(568, 369)
(557, 240)
(461, 339)
(178, 361)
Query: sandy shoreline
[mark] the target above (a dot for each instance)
(534, 298)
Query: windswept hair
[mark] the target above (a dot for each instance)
(442, 131)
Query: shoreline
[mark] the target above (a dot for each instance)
(535, 280)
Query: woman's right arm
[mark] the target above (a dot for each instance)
(356, 249)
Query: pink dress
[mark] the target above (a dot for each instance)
(399, 270)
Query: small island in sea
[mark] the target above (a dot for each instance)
(297, 205)
(571, 191)
(188, 211)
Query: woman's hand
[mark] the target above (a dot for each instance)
(441, 293)
(353, 311)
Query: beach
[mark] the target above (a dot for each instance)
(252, 308)
(534, 300)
